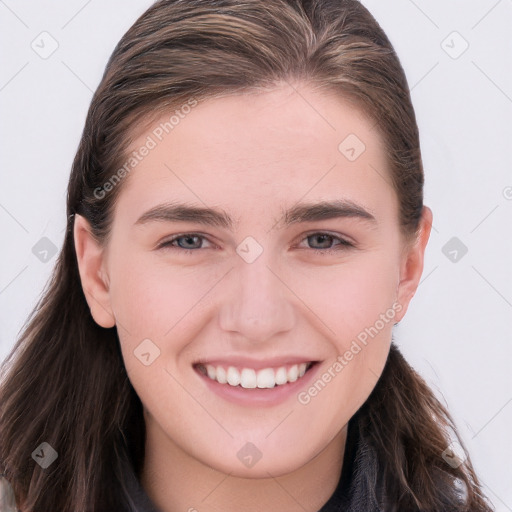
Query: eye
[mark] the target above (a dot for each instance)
(189, 239)
(325, 240)
(188, 243)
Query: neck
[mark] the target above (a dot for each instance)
(176, 481)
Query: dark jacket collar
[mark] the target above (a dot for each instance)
(355, 491)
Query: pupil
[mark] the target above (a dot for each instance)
(320, 237)
(189, 239)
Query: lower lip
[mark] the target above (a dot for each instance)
(263, 397)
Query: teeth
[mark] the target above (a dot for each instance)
(266, 378)
(249, 378)
(281, 377)
(293, 373)
(221, 375)
(211, 371)
(233, 376)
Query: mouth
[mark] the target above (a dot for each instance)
(251, 378)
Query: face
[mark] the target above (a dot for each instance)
(267, 284)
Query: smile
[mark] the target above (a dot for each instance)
(250, 378)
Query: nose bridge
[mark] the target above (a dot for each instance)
(257, 305)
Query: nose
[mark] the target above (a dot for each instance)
(257, 304)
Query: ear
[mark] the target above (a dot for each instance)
(412, 263)
(91, 265)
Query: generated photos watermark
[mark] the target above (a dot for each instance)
(361, 341)
(151, 142)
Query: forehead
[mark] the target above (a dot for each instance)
(253, 150)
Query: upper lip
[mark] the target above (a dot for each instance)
(256, 364)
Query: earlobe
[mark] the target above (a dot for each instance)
(91, 265)
(412, 263)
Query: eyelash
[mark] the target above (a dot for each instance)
(343, 243)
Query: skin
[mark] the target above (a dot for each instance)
(252, 155)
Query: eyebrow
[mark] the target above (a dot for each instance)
(299, 213)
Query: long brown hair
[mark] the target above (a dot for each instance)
(64, 383)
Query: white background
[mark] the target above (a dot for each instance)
(457, 333)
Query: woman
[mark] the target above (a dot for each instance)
(254, 370)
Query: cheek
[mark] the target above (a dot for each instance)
(358, 306)
(164, 304)
(346, 379)
(352, 296)
(344, 383)
(149, 296)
